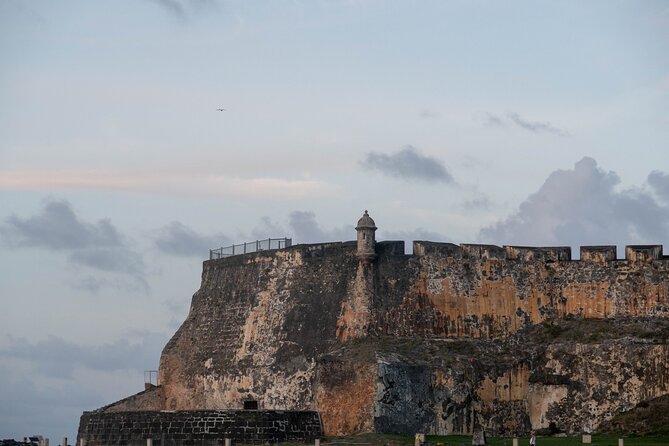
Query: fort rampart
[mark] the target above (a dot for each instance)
(446, 340)
(204, 427)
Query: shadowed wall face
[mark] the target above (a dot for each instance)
(197, 427)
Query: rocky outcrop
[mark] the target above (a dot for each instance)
(649, 417)
(451, 339)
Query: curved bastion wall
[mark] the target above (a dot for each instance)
(448, 340)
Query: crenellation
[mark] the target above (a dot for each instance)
(425, 248)
(390, 248)
(598, 254)
(589, 253)
(539, 253)
(643, 253)
(476, 251)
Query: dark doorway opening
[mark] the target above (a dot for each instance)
(250, 405)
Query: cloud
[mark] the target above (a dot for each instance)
(492, 120)
(51, 382)
(267, 228)
(427, 114)
(56, 357)
(302, 227)
(307, 230)
(115, 259)
(489, 119)
(477, 203)
(93, 284)
(535, 126)
(48, 408)
(57, 228)
(172, 6)
(182, 8)
(410, 236)
(582, 206)
(166, 183)
(659, 181)
(409, 165)
(472, 162)
(178, 239)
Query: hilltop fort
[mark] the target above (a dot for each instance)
(359, 336)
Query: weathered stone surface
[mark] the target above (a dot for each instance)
(152, 398)
(184, 428)
(478, 439)
(448, 340)
(403, 387)
(647, 417)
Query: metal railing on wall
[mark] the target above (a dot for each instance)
(151, 377)
(244, 248)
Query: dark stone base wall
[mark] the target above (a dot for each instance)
(191, 428)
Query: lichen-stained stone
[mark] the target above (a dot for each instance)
(451, 339)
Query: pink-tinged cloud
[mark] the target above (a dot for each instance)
(165, 183)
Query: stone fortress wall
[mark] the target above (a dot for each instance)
(447, 340)
(203, 427)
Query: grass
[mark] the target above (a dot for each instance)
(459, 440)
(597, 440)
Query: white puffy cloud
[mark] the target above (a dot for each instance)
(583, 206)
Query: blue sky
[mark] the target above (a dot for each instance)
(511, 122)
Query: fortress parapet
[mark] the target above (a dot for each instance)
(475, 251)
(591, 254)
(598, 254)
(424, 248)
(482, 251)
(362, 332)
(643, 253)
(545, 253)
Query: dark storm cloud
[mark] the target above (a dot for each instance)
(408, 164)
(581, 206)
(535, 126)
(178, 239)
(57, 228)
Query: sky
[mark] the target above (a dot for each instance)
(517, 122)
